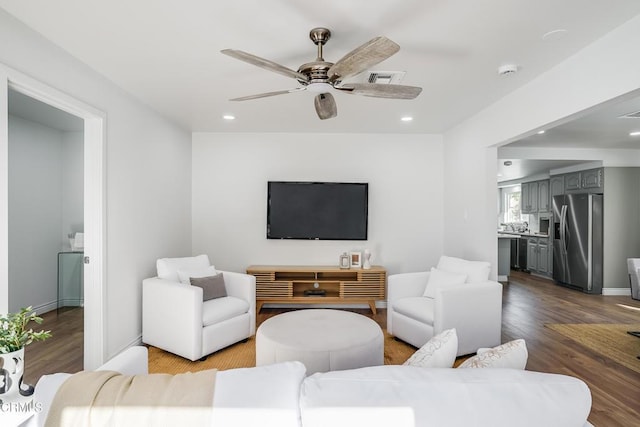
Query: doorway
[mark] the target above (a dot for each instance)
(93, 206)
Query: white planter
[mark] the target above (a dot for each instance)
(11, 373)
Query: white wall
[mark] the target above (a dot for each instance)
(621, 224)
(230, 174)
(73, 185)
(35, 214)
(604, 70)
(148, 178)
(45, 204)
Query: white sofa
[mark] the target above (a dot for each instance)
(403, 396)
(473, 306)
(176, 319)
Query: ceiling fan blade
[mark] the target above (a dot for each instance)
(361, 58)
(325, 106)
(266, 94)
(381, 90)
(264, 63)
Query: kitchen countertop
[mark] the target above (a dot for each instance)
(517, 235)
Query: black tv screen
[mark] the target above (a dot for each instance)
(317, 210)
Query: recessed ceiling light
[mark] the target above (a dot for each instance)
(540, 132)
(229, 117)
(406, 118)
(507, 69)
(554, 35)
(637, 133)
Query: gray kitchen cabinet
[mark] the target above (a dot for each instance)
(591, 180)
(543, 196)
(572, 181)
(525, 207)
(556, 185)
(543, 257)
(530, 197)
(538, 256)
(532, 254)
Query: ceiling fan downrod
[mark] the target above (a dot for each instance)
(320, 36)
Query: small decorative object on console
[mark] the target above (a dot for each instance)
(366, 263)
(344, 261)
(356, 259)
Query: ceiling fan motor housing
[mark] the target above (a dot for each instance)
(317, 72)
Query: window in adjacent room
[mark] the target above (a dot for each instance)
(512, 207)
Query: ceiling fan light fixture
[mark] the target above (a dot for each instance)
(319, 87)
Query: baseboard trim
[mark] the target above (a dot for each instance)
(616, 291)
(136, 341)
(503, 278)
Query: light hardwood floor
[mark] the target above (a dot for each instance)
(529, 302)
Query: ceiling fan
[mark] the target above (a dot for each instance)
(322, 77)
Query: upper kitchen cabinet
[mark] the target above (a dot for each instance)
(535, 197)
(543, 196)
(591, 180)
(556, 184)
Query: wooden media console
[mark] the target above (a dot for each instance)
(318, 285)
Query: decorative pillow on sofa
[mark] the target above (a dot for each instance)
(186, 274)
(476, 271)
(212, 286)
(440, 279)
(509, 355)
(439, 352)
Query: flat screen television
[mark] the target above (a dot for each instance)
(317, 210)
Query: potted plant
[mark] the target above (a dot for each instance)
(14, 337)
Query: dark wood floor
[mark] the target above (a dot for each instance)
(529, 302)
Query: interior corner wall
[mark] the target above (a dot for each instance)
(230, 175)
(148, 175)
(605, 70)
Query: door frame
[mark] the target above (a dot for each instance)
(94, 203)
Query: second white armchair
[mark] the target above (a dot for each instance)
(456, 294)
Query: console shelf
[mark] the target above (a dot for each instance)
(288, 283)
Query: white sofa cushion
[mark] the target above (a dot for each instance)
(441, 279)
(417, 308)
(167, 268)
(439, 352)
(476, 271)
(265, 396)
(185, 274)
(221, 309)
(408, 396)
(511, 355)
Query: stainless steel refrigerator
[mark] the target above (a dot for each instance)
(577, 241)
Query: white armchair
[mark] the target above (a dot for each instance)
(459, 295)
(176, 319)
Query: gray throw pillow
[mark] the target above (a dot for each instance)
(212, 286)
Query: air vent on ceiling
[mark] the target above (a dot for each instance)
(385, 77)
(634, 115)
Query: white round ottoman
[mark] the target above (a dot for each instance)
(324, 340)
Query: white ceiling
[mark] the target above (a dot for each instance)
(167, 53)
